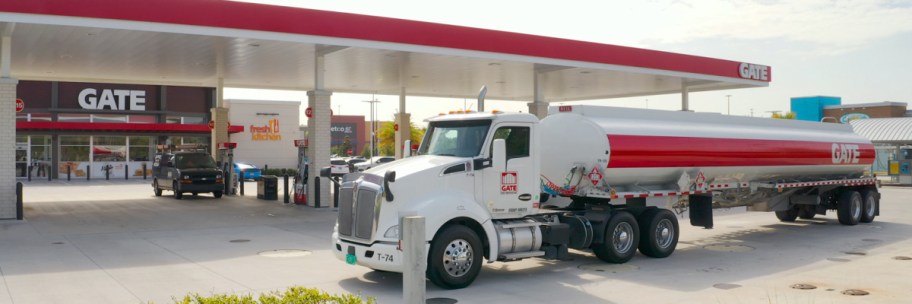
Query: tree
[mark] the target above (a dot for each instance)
(386, 137)
(342, 149)
(787, 115)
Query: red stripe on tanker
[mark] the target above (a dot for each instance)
(633, 151)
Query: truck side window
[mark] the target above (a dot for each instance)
(516, 140)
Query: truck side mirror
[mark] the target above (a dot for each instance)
(499, 155)
(326, 172)
(407, 149)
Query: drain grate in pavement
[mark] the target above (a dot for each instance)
(803, 286)
(239, 241)
(855, 253)
(729, 248)
(57, 243)
(838, 260)
(872, 240)
(612, 268)
(855, 292)
(441, 301)
(285, 253)
(726, 286)
(902, 258)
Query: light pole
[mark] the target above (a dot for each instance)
(373, 127)
(729, 101)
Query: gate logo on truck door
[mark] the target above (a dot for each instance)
(508, 182)
(845, 154)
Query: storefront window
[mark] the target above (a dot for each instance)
(193, 140)
(74, 118)
(108, 118)
(40, 117)
(140, 148)
(109, 148)
(187, 120)
(22, 117)
(74, 148)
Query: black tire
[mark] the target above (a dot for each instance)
(869, 205)
(622, 234)
(156, 189)
(848, 208)
(807, 212)
(177, 193)
(217, 194)
(788, 215)
(454, 260)
(658, 233)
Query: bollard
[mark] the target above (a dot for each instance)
(144, 170)
(107, 173)
(316, 192)
(30, 173)
(127, 172)
(49, 172)
(336, 194)
(88, 172)
(286, 188)
(413, 259)
(265, 169)
(226, 180)
(68, 172)
(19, 209)
(241, 181)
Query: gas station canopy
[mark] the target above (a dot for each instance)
(199, 42)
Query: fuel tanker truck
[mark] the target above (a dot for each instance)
(506, 186)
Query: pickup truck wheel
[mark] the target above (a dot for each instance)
(621, 237)
(177, 193)
(658, 233)
(788, 215)
(869, 204)
(454, 260)
(806, 212)
(849, 208)
(217, 194)
(156, 189)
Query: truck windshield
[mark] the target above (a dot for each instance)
(455, 138)
(194, 160)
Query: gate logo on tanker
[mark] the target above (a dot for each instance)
(845, 154)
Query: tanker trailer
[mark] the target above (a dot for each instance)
(506, 187)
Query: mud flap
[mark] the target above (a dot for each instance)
(701, 211)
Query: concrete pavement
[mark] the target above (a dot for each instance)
(114, 242)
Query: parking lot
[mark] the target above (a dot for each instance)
(114, 242)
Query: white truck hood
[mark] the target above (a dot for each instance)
(411, 165)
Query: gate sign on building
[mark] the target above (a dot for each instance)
(20, 105)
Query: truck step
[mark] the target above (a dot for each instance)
(521, 225)
(521, 255)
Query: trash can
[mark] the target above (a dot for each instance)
(268, 187)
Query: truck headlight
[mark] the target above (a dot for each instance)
(219, 176)
(186, 176)
(392, 232)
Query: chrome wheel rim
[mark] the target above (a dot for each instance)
(856, 208)
(622, 238)
(457, 257)
(869, 207)
(664, 233)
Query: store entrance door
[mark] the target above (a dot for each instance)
(22, 159)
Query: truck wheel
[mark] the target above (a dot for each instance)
(156, 189)
(869, 204)
(806, 212)
(849, 206)
(454, 260)
(177, 193)
(217, 194)
(658, 233)
(621, 237)
(788, 215)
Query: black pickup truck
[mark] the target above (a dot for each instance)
(192, 172)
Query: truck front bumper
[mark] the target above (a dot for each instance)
(379, 256)
(200, 187)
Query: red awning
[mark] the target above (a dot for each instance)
(117, 127)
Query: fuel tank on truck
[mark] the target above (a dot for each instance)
(641, 148)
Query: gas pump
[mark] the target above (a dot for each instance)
(300, 178)
(226, 154)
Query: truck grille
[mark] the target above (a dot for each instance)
(357, 213)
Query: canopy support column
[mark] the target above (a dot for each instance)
(7, 127)
(403, 120)
(685, 96)
(538, 106)
(318, 135)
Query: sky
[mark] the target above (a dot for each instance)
(860, 51)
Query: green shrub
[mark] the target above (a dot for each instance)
(293, 295)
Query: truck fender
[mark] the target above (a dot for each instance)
(437, 216)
